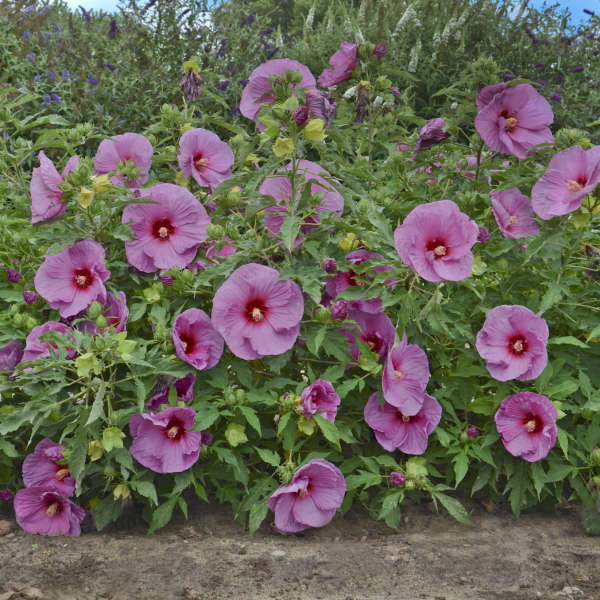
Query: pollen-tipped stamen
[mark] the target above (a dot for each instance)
(53, 509)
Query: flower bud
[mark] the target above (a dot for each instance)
(14, 276)
(339, 310)
(397, 479)
(349, 242)
(6, 496)
(100, 183)
(301, 115)
(314, 130)
(472, 432)
(322, 314)
(329, 265)
(121, 491)
(380, 50)
(101, 323)
(283, 147)
(206, 438)
(95, 309)
(30, 297)
(595, 457)
(484, 235)
(240, 396)
(85, 197)
(215, 232)
(411, 484)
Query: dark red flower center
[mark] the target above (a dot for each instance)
(352, 279)
(575, 185)
(200, 161)
(374, 342)
(517, 345)
(53, 505)
(83, 278)
(256, 311)
(162, 229)
(175, 430)
(532, 423)
(438, 247)
(510, 121)
(189, 343)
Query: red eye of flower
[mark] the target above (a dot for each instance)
(574, 185)
(373, 341)
(200, 161)
(532, 423)
(175, 430)
(188, 343)
(352, 279)
(162, 229)
(256, 311)
(53, 505)
(517, 345)
(83, 278)
(438, 247)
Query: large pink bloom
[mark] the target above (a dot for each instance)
(257, 314)
(168, 233)
(571, 175)
(513, 342)
(514, 214)
(121, 148)
(395, 430)
(310, 499)
(205, 157)
(72, 279)
(46, 511)
(41, 468)
(279, 187)
(46, 196)
(405, 377)
(343, 62)
(376, 330)
(514, 120)
(435, 240)
(486, 94)
(163, 442)
(320, 398)
(195, 339)
(259, 91)
(526, 423)
(35, 348)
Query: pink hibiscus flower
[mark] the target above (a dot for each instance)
(430, 134)
(184, 388)
(168, 233)
(571, 175)
(376, 330)
(41, 468)
(310, 499)
(526, 423)
(35, 348)
(257, 314)
(320, 398)
(514, 120)
(514, 214)
(121, 148)
(115, 312)
(343, 62)
(73, 278)
(205, 157)
(46, 195)
(435, 240)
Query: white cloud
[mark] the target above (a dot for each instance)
(106, 5)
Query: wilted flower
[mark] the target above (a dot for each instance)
(35, 348)
(577, 69)
(431, 133)
(310, 499)
(301, 115)
(380, 50)
(329, 265)
(483, 237)
(168, 233)
(184, 388)
(113, 29)
(46, 195)
(196, 340)
(513, 342)
(395, 430)
(343, 62)
(571, 175)
(526, 423)
(514, 214)
(6, 496)
(42, 468)
(163, 442)
(191, 85)
(10, 355)
(257, 314)
(205, 157)
(320, 398)
(556, 97)
(14, 275)
(397, 479)
(435, 239)
(120, 149)
(91, 80)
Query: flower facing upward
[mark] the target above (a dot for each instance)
(405, 377)
(196, 340)
(310, 499)
(435, 240)
(41, 468)
(343, 62)
(514, 120)
(257, 314)
(121, 148)
(395, 430)
(35, 348)
(514, 214)
(320, 398)
(205, 157)
(46, 196)
(47, 512)
(168, 233)
(513, 342)
(571, 175)
(526, 423)
(73, 278)
(431, 133)
(184, 388)
(163, 442)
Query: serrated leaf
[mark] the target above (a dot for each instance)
(454, 507)
(145, 489)
(258, 513)
(78, 454)
(550, 298)
(162, 515)
(364, 479)
(268, 456)
(329, 430)
(461, 466)
(98, 404)
(568, 340)
(252, 418)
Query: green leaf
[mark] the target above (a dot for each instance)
(162, 515)
(365, 479)
(107, 511)
(290, 228)
(145, 489)
(558, 472)
(78, 454)
(98, 405)
(569, 340)
(563, 441)
(258, 513)
(268, 456)
(112, 437)
(461, 466)
(252, 418)
(206, 415)
(454, 507)
(329, 430)
(235, 434)
(8, 449)
(551, 297)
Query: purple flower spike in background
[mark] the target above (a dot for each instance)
(41, 468)
(10, 355)
(526, 423)
(185, 393)
(310, 499)
(430, 134)
(196, 340)
(513, 342)
(163, 442)
(514, 214)
(121, 148)
(343, 62)
(320, 398)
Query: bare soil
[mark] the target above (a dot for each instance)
(209, 557)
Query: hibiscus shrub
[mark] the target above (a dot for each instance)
(336, 303)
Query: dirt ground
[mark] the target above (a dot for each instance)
(540, 556)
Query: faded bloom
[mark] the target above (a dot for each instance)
(514, 214)
(257, 314)
(120, 149)
(205, 157)
(47, 512)
(35, 348)
(310, 499)
(483, 237)
(397, 479)
(339, 310)
(526, 423)
(329, 265)
(10, 355)
(320, 398)
(343, 62)
(46, 195)
(301, 115)
(430, 134)
(571, 175)
(513, 342)
(196, 340)
(72, 279)
(184, 388)
(42, 468)
(435, 240)
(14, 276)
(395, 430)
(168, 233)
(515, 119)
(380, 50)
(191, 85)
(163, 442)
(6, 496)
